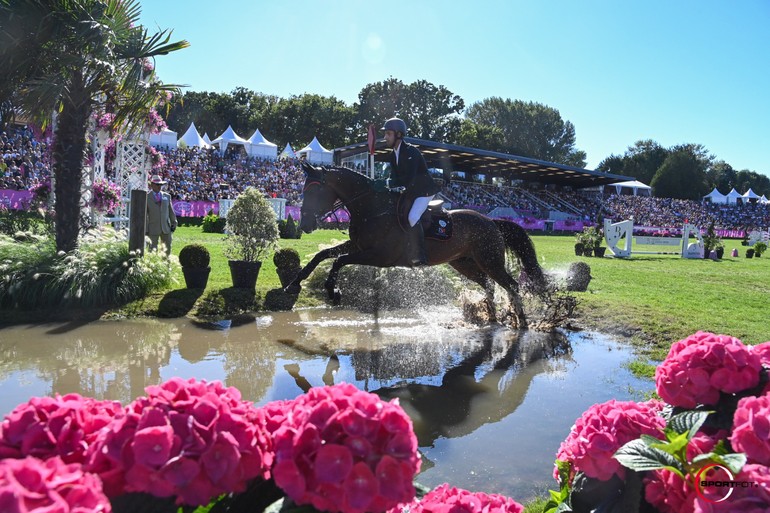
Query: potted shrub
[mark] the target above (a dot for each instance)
(287, 266)
(194, 259)
(750, 253)
(759, 248)
(711, 241)
(720, 249)
(579, 247)
(252, 232)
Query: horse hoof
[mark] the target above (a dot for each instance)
(293, 289)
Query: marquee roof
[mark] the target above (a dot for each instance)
(473, 160)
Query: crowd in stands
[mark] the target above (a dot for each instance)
(197, 174)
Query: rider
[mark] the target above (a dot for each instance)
(409, 170)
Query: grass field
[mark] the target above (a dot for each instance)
(654, 299)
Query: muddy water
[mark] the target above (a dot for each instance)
(490, 406)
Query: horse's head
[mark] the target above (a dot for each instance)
(317, 197)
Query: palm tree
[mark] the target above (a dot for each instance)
(68, 57)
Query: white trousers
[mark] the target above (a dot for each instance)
(418, 207)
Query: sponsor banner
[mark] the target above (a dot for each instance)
(15, 200)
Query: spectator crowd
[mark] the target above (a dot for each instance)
(203, 174)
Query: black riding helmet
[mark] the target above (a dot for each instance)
(395, 124)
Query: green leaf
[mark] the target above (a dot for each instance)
(677, 442)
(637, 455)
(733, 461)
(688, 422)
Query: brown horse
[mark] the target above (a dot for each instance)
(476, 249)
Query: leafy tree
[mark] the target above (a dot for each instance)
(722, 176)
(300, 118)
(682, 175)
(476, 135)
(198, 108)
(746, 179)
(529, 129)
(430, 111)
(643, 159)
(613, 164)
(66, 56)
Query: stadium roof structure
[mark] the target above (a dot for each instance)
(451, 157)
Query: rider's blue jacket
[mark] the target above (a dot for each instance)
(411, 172)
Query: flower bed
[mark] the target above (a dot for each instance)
(193, 443)
(707, 450)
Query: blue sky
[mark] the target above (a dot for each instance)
(675, 71)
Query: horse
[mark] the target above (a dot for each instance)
(476, 249)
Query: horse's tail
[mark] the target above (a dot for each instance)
(517, 240)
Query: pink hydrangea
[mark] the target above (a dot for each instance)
(344, 450)
(446, 499)
(605, 428)
(62, 426)
(746, 499)
(276, 413)
(49, 486)
(751, 429)
(701, 366)
(190, 439)
(763, 351)
(668, 492)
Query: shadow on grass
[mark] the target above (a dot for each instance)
(178, 303)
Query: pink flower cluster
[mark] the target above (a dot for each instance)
(751, 429)
(191, 439)
(155, 122)
(55, 426)
(105, 121)
(49, 486)
(106, 196)
(446, 499)
(605, 428)
(344, 450)
(701, 366)
(745, 499)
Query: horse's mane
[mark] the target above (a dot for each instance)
(353, 174)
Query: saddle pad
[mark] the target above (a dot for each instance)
(440, 227)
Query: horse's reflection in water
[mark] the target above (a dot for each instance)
(483, 387)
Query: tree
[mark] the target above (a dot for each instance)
(67, 56)
(682, 175)
(643, 159)
(529, 129)
(475, 135)
(300, 118)
(430, 111)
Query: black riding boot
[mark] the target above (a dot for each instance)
(416, 246)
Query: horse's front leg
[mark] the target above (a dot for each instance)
(373, 257)
(294, 287)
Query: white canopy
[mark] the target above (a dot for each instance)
(165, 139)
(638, 188)
(260, 147)
(206, 138)
(315, 153)
(763, 199)
(733, 196)
(192, 139)
(288, 152)
(229, 137)
(750, 195)
(715, 197)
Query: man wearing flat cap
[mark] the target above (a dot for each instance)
(161, 219)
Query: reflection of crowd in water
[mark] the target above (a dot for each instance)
(198, 174)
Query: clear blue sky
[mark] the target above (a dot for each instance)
(675, 71)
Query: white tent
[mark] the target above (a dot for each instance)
(715, 197)
(260, 147)
(165, 139)
(207, 139)
(192, 139)
(229, 137)
(638, 188)
(763, 200)
(288, 152)
(750, 195)
(733, 196)
(315, 153)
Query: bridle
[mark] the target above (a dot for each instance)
(338, 204)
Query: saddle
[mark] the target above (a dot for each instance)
(436, 223)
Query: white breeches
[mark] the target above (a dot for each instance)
(418, 207)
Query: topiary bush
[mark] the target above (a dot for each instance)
(194, 256)
(289, 229)
(286, 258)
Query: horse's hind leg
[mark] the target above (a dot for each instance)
(468, 268)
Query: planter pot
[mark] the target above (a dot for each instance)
(578, 250)
(244, 274)
(599, 252)
(588, 252)
(287, 275)
(749, 253)
(720, 253)
(196, 277)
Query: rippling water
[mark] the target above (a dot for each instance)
(490, 406)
